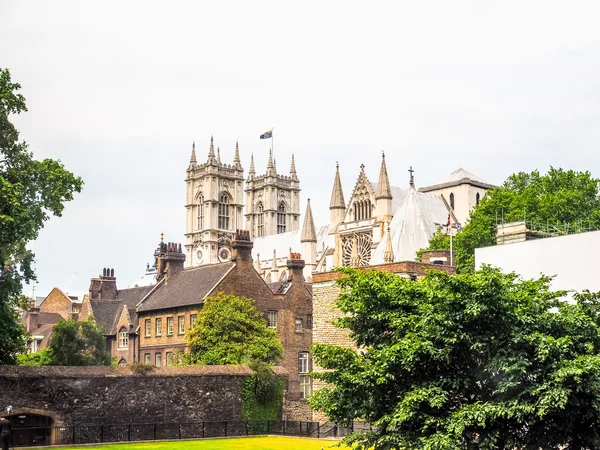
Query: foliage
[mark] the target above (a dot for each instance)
(558, 197)
(78, 343)
(480, 360)
(262, 395)
(39, 358)
(439, 241)
(230, 330)
(30, 191)
(141, 368)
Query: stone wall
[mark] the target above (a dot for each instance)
(96, 395)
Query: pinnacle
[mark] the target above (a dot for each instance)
(309, 233)
(383, 186)
(251, 170)
(293, 167)
(388, 255)
(211, 150)
(218, 155)
(337, 195)
(193, 157)
(236, 156)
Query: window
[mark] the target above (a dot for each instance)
(123, 338)
(158, 327)
(158, 359)
(200, 212)
(148, 327)
(281, 218)
(305, 386)
(477, 198)
(169, 326)
(260, 227)
(169, 356)
(181, 324)
(362, 209)
(303, 363)
(224, 212)
(272, 319)
(147, 358)
(122, 362)
(452, 200)
(309, 321)
(298, 325)
(193, 318)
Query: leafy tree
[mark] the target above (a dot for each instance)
(78, 343)
(39, 358)
(480, 360)
(558, 198)
(30, 191)
(230, 330)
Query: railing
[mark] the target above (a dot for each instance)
(96, 434)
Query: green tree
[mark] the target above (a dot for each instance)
(557, 198)
(78, 343)
(30, 191)
(39, 358)
(230, 330)
(480, 360)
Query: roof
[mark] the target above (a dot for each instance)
(459, 176)
(398, 195)
(412, 226)
(282, 243)
(49, 318)
(188, 287)
(132, 296)
(105, 313)
(279, 287)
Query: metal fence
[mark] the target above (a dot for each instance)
(95, 434)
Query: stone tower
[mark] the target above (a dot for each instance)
(214, 203)
(272, 201)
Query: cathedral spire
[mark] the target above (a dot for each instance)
(193, 157)
(388, 255)
(337, 195)
(293, 173)
(274, 269)
(236, 157)
(219, 155)
(383, 186)
(211, 151)
(309, 234)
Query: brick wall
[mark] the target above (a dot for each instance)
(57, 302)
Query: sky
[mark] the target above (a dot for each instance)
(117, 91)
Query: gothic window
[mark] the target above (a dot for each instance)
(477, 199)
(281, 218)
(361, 256)
(362, 209)
(224, 211)
(452, 200)
(122, 362)
(123, 338)
(260, 227)
(200, 212)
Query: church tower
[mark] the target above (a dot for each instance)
(214, 203)
(272, 200)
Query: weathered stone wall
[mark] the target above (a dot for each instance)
(96, 395)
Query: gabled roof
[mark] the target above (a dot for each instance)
(49, 318)
(459, 176)
(185, 288)
(412, 226)
(398, 195)
(105, 312)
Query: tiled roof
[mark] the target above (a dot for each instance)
(132, 296)
(49, 318)
(188, 287)
(105, 312)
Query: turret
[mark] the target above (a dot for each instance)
(337, 205)
(383, 196)
(293, 174)
(308, 243)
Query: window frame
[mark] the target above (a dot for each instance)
(305, 387)
(193, 320)
(281, 218)
(260, 226)
(123, 338)
(200, 213)
(148, 328)
(147, 358)
(170, 326)
(298, 325)
(158, 359)
(272, 319)
(180, 325)
(309, 321)
(158, 326)
(223, 211)
(303, 363)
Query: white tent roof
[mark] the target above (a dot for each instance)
(413, 225)
(282, 243)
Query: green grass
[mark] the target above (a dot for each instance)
(247, 443)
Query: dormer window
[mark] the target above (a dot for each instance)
(123, 338)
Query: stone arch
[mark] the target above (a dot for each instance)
(56, 420)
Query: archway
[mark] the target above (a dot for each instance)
(31, 428)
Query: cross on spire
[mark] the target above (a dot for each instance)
(412, 177)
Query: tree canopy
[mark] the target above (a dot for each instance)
(230, 330)
(479, 360)
(30, 191)
(78, 343)
(559, 200)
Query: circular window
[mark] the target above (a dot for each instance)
(199, 255)
(224, 254)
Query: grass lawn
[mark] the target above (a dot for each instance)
(247, 443)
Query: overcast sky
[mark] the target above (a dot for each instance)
(117, 90)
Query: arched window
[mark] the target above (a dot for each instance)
(200, 212)
(362, 210)
(477, 199)
(123, 338)
(281, 218)
(368, 209)
(260, 220)
(355, 211)
(223, 211)
(452, 200)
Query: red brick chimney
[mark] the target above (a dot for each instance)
(170, 260)
(104, 287)
(242, 247)
(295, 265)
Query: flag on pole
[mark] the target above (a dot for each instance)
(449, 223)
(267, 134)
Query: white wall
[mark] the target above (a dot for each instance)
(574, 259)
